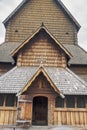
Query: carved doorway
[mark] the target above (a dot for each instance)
(40, 111)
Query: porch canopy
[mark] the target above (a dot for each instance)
(63, 80)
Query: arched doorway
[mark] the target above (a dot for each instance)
(40, 111)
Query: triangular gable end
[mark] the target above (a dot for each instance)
(5, 22)
(41, 69)
(42, 27)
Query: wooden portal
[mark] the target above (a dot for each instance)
(40, 111)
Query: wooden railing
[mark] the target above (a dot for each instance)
(70, 116)
(8, 115)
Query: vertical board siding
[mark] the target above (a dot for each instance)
(70, 117)
(26, 111)
(8, 116)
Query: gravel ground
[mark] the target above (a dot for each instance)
(44, 128)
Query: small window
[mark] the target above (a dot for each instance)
(81, 102)
(10, 99)
(59, 102)
(70, 101)
(1, 99)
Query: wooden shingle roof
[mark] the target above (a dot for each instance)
(5, 50)
(65, 80)
(79, 56)
(59, 2)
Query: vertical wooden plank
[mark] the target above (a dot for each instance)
(77, 118)
(2, 117)
(15, 117)
(84, 117)
(72, 118)
(55, 118)
(81, 118)
(6, 117)
(11, 117)
(68, 118)
(59, 118)
(64, 118)
(28, 111)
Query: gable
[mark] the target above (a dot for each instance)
(43, 48)
(32, 13)
(40, 86)
(20, 78)
(57, 1)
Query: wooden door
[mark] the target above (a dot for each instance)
(40, 111)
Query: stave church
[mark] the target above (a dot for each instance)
(43, 70)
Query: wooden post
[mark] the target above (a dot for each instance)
(75, 102)
(65, 103)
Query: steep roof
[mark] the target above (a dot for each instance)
(59, 2)
(65, 80)
(5, 50)
(79, 55)
(41, 28)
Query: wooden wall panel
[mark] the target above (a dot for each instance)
(42, 50)
(71, 116)
(5, 68)
(25, 110)
(8, 116)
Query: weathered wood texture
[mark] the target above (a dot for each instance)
(42, 49)
(70, 116)
(25, 111)
(7, 116)
(80, 71)
(31, 16)
(41, 87)
(5, 68)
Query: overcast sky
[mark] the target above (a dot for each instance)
(78, 9)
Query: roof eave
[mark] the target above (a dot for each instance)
(5, 22)
(56, 41)
(40, 70)
(69, 14)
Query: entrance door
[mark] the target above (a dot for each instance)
(40, 111)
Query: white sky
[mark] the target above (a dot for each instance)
(78, 9)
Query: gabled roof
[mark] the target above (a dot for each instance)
(42, 27)
(79, 55)
(59, 2)
(64, 80)
(40, 70)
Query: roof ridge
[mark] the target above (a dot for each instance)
(69, 13)
(14, 11)
(76, 76)
(82, 48)
(60, 3)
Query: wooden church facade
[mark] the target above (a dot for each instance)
(37, 85)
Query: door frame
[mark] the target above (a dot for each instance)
(46, 98)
